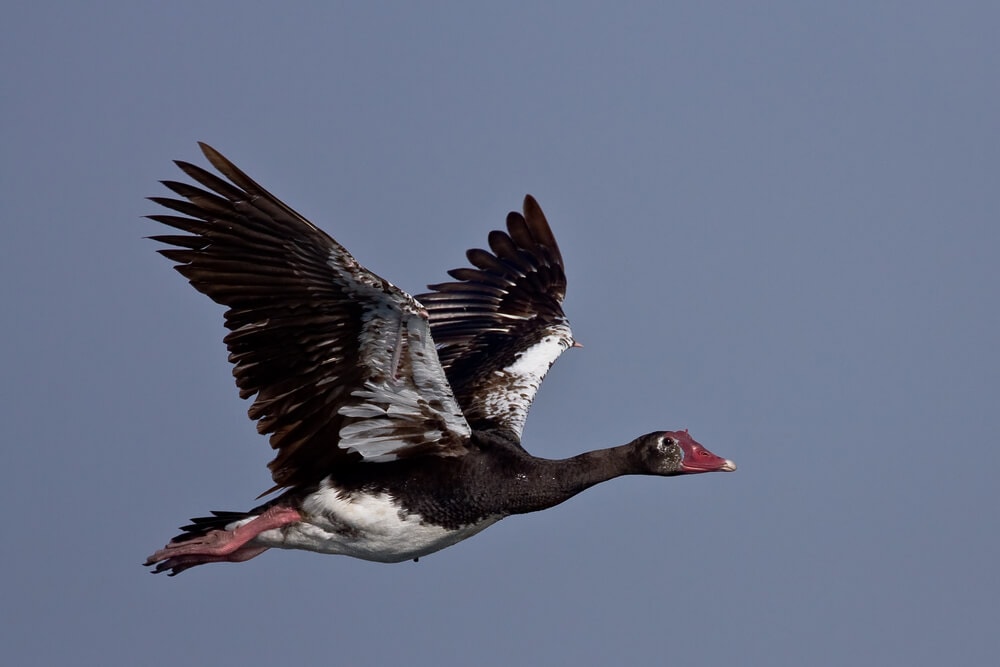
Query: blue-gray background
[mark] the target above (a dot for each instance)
(780, 222)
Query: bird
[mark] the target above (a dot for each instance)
(396, 420)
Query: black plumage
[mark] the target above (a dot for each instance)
(396, 421)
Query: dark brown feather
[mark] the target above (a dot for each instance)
(501, 307)
(295, 302)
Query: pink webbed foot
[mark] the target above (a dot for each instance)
(221, 546)
(179, 563)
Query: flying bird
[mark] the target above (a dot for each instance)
(396, 420)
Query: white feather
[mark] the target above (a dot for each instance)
(370, 527)
(511, 396)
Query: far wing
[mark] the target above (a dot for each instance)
(500, 326)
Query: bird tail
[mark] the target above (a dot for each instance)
(202, 525)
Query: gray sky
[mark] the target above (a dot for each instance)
(780, 224)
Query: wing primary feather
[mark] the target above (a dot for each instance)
(320, 344)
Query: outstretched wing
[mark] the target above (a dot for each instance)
(500, 327)
(341, 361)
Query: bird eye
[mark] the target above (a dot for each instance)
(670, 442)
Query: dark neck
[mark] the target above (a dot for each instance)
(542, 483)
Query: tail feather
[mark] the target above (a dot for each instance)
(202, 525)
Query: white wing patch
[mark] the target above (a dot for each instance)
(406, 401)
(510, 392)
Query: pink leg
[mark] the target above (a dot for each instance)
(218, 546)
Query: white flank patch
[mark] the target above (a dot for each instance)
(511, 396)
(370, 527)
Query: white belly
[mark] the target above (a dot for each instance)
(364, 526)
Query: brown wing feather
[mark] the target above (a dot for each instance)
(495, 312)
(325, 346)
